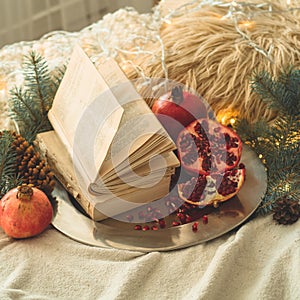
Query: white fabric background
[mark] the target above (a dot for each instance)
(260, 260)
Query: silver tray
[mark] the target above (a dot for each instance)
(71, 220)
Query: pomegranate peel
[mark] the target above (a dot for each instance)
(25, 211)
(177, 108)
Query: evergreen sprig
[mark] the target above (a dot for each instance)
(30, 104)
(277, 142)
(8, 177)
(282, 93)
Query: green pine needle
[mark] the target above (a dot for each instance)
(29, 105)
(281, 94)
(277, 143)
(8, 177)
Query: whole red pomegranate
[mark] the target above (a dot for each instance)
(205, 146)
(212, 189)
(25, 211)
(177, 108)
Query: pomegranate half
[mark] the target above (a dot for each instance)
(205, 146)
(25, 211)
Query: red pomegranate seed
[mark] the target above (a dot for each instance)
(181, 217)
(154, 227)
(205, 219)
(175, 223)
(129, 218)
(162, 223)
(137, 227)
(145, 228)
(182, 209)
(188, 219)
(195, 226)
(149, 209)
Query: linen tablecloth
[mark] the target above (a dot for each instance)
(260, 260)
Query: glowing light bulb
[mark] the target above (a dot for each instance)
(223, 120)
(168, 21)
(3, 88)
(232, 121)
(227, 117)
(246, 24)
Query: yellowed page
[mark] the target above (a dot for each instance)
(85, 114)
(154, 146)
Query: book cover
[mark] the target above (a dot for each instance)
(105, 136)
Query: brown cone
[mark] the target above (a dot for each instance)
(286, 211)
(31, 168)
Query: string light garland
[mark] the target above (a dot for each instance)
(126, 35)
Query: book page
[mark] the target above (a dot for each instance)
(138, 124)
(139, 160)
(85, 114)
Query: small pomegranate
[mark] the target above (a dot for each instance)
(211, 189)
(178, 108)
(25, 211)
(205, 146)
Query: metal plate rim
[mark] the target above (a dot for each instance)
(72, 223)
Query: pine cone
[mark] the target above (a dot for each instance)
(286, 211)
(30, 167)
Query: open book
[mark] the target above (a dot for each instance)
(107, 148)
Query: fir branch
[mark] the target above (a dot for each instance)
(57, 76)
(22, 109)
(7, 158)
(262, 84)
(290, 79)
(277, 143)
(8, 177)
(38, 80)
(29, 105)
(281, 94)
